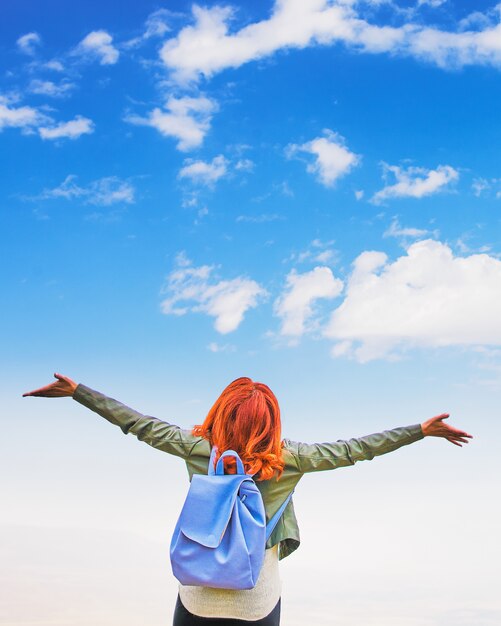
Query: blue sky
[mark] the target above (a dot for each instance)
(308, 193)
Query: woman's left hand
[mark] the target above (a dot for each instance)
(436, 427)
(63, 387)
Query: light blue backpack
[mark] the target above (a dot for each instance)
(220, 536)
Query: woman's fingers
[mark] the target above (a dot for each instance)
(442, 416)
(50, 390)
(456, 436)
(40, 391)
(61, 388)
(462, 439)
(456, 432)
(436, 427)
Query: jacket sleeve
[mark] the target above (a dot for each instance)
(153, 431)
(317, 457)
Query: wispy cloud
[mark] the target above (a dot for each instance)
(32, 120)
(482, 186)
(72, 129)
(332, 159)
(244, 165)
(186, 119)
(205, 173)
(156, 25)
(414, 182)
(207, 46)
(281, 189)
(260, 219)
(217, 347)
(51, 89)
(29, 43)
(318, 251)
(101, 192)
(24, 117)
(196, 289)
(98, 45)
(395, 229)
(295, 306)
(434, 4)
(54, 64)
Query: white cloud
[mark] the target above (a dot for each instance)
(68, 189)
(216, 347)
(98, 44)
(259, 219)
(295, 305)
(475, 21)
(282, 188)
(480, 185)
(156, 25)
(359, 194)
(110, 190)
(325, 257)
(29, 119)
(332, 157)
(244, 165)
(186, 119)
(426, 298)
(49, 88)
(193, 289)
(28, 43)
(434, 4)
(24, 117)
(190, 199)
(457, 49)
(207, 46)
(101, 192)
(54, 65)
(318, 251)
(201, 213)
(205, 173)
(415, 182)
(396, 230)
(182, 259)
(464, 247)
(209, 172)
(71, 130)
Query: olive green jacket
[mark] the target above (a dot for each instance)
(300, 458)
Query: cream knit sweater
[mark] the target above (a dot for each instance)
(247, 604)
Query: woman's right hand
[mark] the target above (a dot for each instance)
(436, 427)
(62, 388)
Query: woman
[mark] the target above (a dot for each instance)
(246, 418)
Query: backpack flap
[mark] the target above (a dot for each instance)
(208, 507)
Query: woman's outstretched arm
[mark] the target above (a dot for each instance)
(153, 431)
(325, 456)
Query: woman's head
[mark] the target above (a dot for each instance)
(246, 418)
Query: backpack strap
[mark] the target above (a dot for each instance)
(211, 470)
(270, 526)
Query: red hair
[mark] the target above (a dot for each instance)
(246, 418)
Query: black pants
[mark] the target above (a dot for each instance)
(182, 617)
